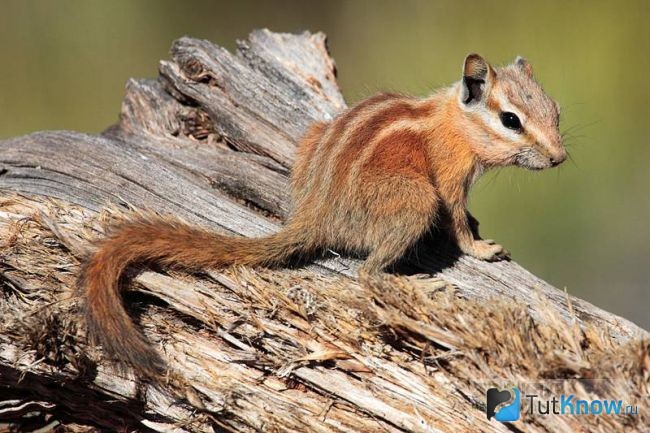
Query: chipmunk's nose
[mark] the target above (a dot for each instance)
(558, 157)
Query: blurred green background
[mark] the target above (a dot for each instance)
(583, 226)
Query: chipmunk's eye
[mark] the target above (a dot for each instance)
(510, 120)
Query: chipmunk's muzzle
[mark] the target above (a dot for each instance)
(558, 157)
(540, 159)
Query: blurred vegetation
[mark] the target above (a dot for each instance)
(583, 227)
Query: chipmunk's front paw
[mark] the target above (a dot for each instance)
(486, 250)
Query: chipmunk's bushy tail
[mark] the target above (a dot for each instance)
(167, 243)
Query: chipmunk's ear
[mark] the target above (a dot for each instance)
(477, 78)
(523, 64)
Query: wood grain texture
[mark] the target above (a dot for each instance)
(212, 141)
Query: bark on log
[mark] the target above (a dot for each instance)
(304, 349)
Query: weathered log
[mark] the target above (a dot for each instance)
(303, 349)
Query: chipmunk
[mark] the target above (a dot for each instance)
(372, 180)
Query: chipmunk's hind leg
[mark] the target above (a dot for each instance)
(410, 213)
(386, 254)
(394, 240)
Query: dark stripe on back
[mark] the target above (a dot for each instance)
(333, 134)
(402, 109)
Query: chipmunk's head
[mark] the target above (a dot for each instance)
(513, 122)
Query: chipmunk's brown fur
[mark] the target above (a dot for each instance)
(373, 180)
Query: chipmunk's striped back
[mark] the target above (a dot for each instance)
(330, 154)
(372, 181)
